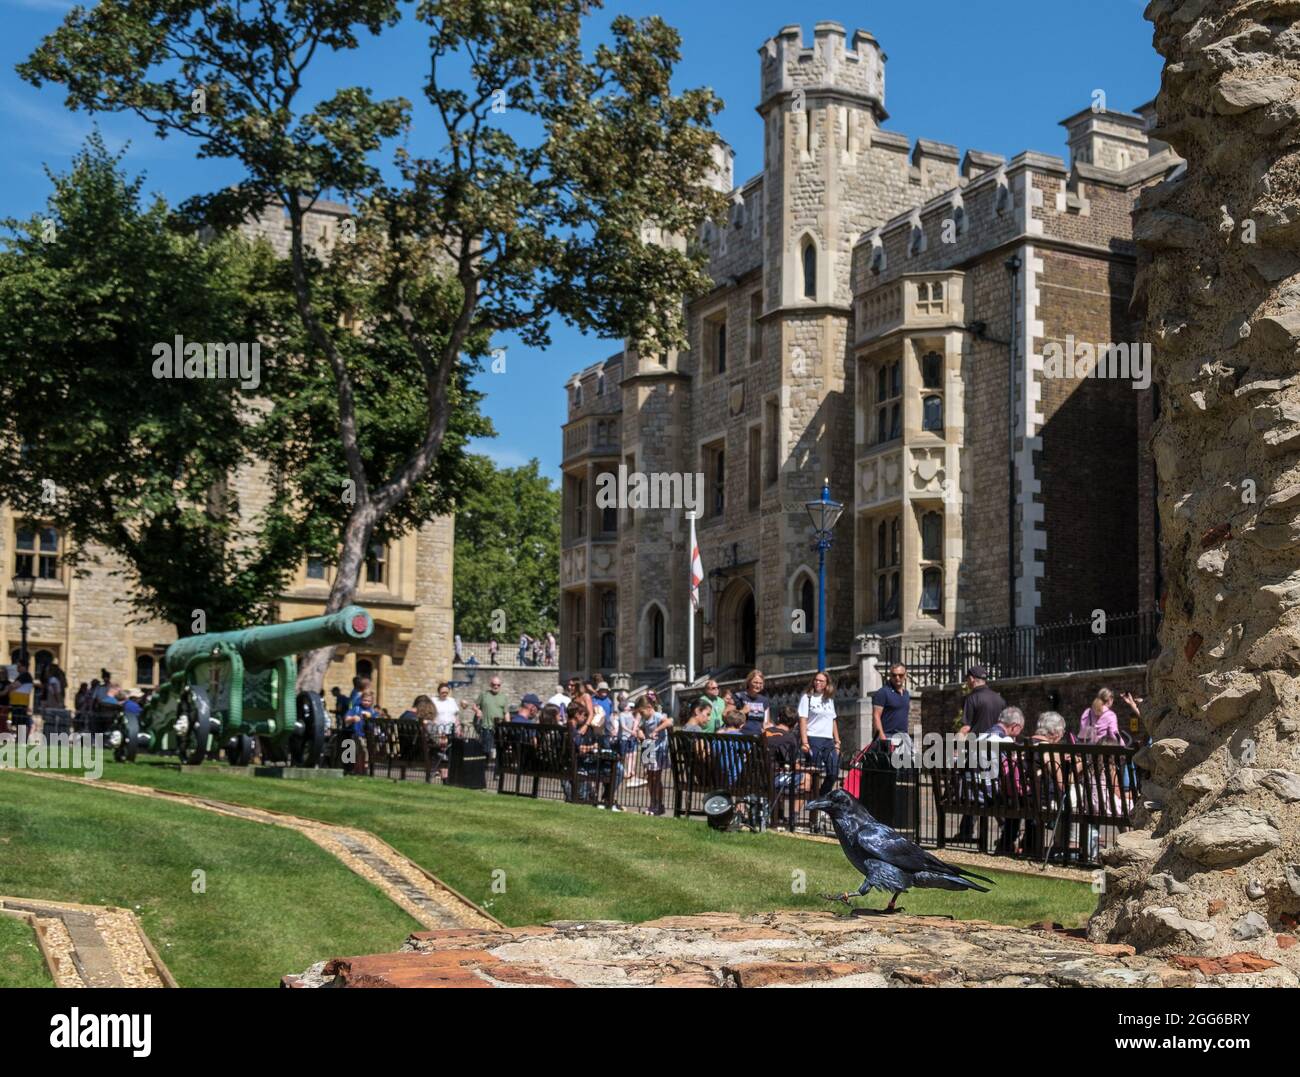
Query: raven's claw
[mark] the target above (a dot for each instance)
(843, 898)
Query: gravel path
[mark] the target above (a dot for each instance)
(91, 945)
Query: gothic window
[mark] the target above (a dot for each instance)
(580, 508)
(931, 537)
(809, 270)
(877, 258)
(888, 405)
(931, 590)
(932, 370)
(932, 414)
(887, 570)
(808, 605)
(929, 298)
(715, 344)
(656, 633)
(715, 472)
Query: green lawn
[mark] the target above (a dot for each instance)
(562, 861)
(21, 964)
(274, 902)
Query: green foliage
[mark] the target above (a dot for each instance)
(487, 233)
(139, 464)
(507, 554)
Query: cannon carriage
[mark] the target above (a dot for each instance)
(224, 689)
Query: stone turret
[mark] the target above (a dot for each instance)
(829, 67)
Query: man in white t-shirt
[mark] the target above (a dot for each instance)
(559, 699)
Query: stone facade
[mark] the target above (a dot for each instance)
(818, 270)
(84, 622)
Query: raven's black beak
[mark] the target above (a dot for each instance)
(819, 805)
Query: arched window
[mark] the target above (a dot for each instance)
(932, 414)
(809, 270)
(656, 633)
(931, 537)
(931, 590)
(882, 550)
(808, 604)
(609, 609)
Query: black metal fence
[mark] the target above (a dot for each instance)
(1073, 646)
(1063, 802)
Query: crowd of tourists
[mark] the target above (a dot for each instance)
(531, 651)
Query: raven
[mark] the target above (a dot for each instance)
(887, 860)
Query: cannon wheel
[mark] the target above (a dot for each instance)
(239, 750)
(129, 728)
(309, 745)
(193, 746)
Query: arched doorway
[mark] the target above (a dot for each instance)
(737, 626)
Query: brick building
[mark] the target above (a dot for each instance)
(82, 621)
(868, 294)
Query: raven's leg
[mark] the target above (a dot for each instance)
(890, 906)
(844, 897)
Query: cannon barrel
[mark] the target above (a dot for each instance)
(264, 644)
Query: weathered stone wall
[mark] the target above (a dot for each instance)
(1219, 869)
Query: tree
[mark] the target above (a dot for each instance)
(507, 554)
(488, 234)
(92, 443)
(1218, 865)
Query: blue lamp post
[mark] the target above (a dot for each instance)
(825, 514)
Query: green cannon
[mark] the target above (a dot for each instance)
(225, 688)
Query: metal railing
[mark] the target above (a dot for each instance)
(1071, 646)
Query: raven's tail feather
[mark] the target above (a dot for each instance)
(944, 881)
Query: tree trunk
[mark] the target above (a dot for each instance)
(1217, 870)
(356, 539)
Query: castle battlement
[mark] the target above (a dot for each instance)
(831, 66)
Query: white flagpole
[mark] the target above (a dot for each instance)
(690, 605)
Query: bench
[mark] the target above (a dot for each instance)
(1048, 786)
(738, 765)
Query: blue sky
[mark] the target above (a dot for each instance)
(996, 76)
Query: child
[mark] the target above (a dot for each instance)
(652, 731)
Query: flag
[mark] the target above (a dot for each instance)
(697, 569)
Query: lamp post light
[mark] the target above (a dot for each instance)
(24, 587)
(825, 514)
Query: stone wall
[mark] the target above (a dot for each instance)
(1217, 867)
(516, 681)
